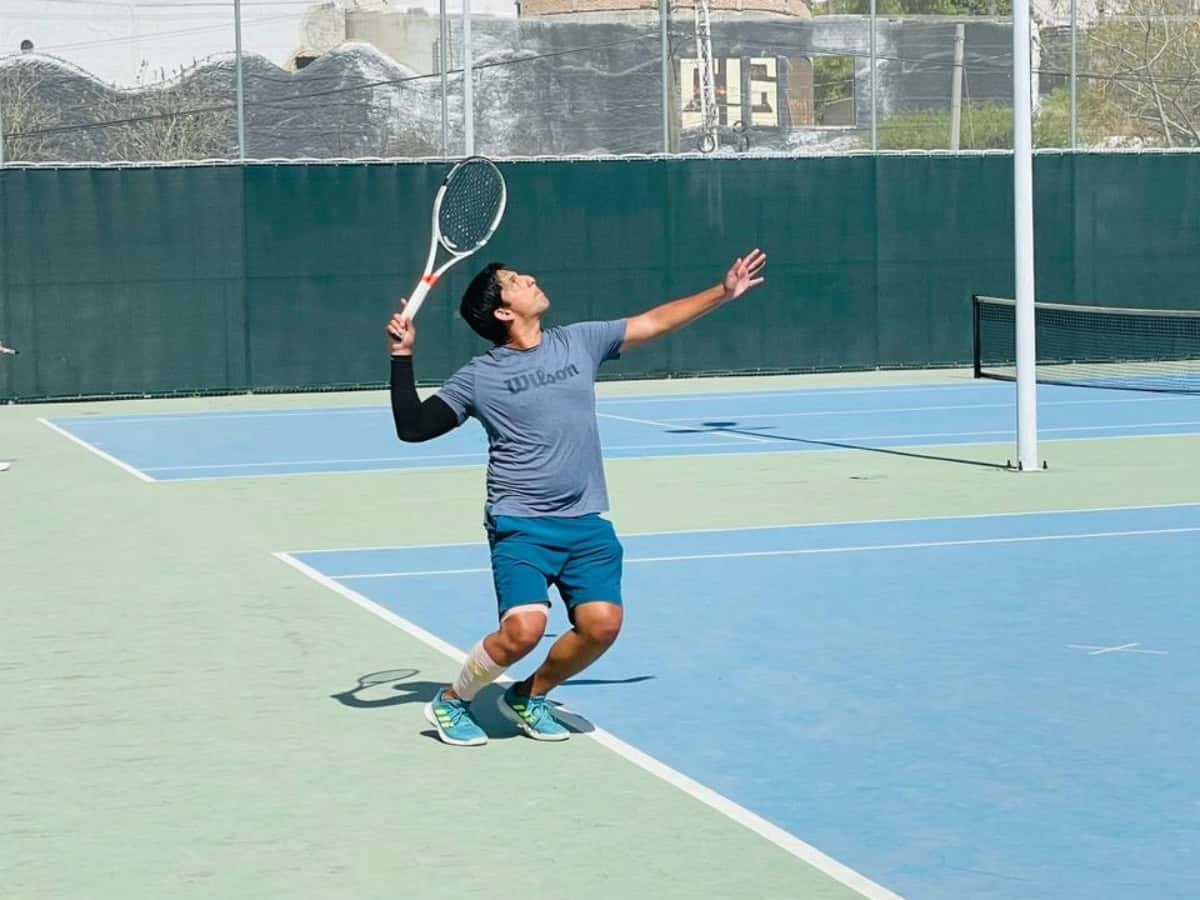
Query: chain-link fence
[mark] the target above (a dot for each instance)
(97, 81)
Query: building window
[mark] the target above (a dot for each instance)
(727, 90)
(746, 90)
(833, 90)
(764, 92)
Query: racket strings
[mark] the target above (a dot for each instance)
(473, 198)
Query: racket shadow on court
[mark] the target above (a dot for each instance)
(391, 687)
(758, 432)
(396, 687)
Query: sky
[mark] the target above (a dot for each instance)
(112, 38)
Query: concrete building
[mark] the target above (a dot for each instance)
(586, 75)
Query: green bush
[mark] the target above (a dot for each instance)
(984, 126)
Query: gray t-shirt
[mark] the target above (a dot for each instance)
(538, 408)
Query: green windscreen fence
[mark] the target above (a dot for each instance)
(128, 281)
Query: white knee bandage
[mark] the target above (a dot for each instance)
(527, 608)
(477, 672)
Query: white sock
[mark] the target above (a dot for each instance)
(478, 672)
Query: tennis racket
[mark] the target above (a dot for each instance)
(466, 213)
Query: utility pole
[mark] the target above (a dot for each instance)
(956, 87)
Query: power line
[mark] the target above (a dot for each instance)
(279, 101)
(994, 64)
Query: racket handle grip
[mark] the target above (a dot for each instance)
(417, 298)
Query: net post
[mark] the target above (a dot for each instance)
(1026, 345)
(976, 346)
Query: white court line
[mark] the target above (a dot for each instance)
(745, 437)
(1096, 650)
(153, 418)
(922, 435)
(938, 387)
(649, 398)
(136, 473)
(780, 447)
(813, 551)
(791, 392)
(779, 837)
(83, 420)
(851, 522)
(900, 409)
(941, 434)
(773, 447)
(784, 439)
(375, 410)
(419, 573)
(312, 473)
(480, 455)
(768, 445)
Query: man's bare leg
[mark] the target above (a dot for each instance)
(596, 626)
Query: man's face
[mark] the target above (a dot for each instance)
(521, 295)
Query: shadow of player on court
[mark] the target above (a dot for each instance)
(397, 687)
(758, 432)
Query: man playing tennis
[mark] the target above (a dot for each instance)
(534, 394)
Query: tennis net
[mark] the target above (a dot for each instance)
(1093, 346)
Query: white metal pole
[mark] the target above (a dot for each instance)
(1026, 345)
(956, 87)
(241, 97)
(664, 12)
(468, 99)
(443, 65)
(874, 86)
(1074, 57)
(700, 69)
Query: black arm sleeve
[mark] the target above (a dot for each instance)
(417, 421)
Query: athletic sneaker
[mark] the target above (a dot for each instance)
(452, 719)
(532, 715)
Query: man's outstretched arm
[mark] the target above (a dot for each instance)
(744, 274)
(415, 421)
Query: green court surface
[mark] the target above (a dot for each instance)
(171, 724)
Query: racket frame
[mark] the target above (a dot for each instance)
(431, 276)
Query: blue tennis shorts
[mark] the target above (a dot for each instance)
(580, 555)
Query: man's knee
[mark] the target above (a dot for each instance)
(521, 630)
(598, 623)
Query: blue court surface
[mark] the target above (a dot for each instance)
(208, 445)
(973, 707)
